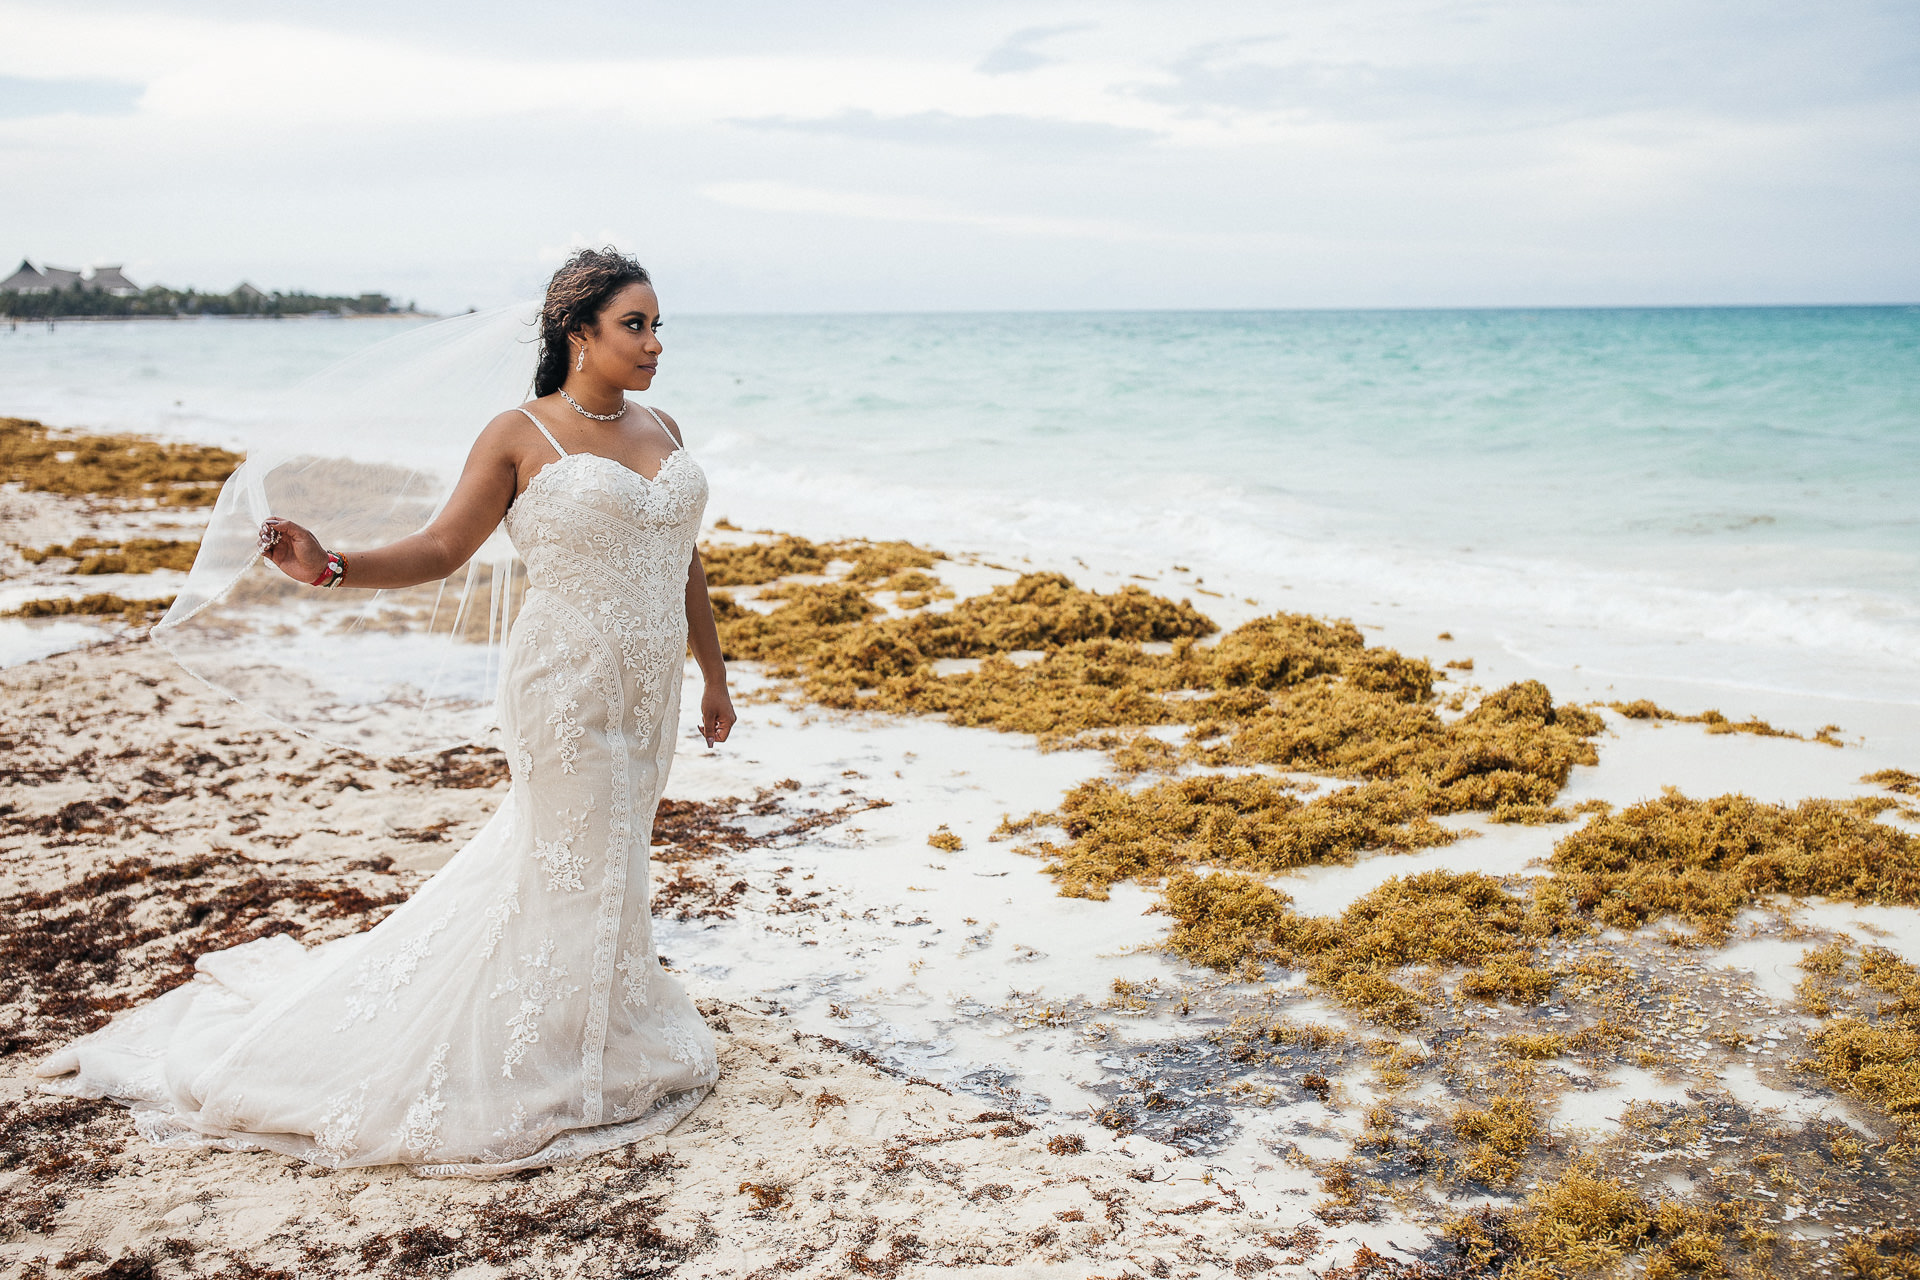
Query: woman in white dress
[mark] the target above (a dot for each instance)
(512, 1013)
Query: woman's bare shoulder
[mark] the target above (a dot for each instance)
(508, 428)
(505, 437)
(514, 419)
(679, 436)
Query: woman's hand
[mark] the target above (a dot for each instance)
(296, 552)
(716, 714)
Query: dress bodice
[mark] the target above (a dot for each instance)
(589, 525)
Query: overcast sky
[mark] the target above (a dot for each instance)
(921, 156)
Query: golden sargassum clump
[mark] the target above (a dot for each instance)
(1895, 780)
(1873, 1051)
(1585, 1223)
(1287, 690)
(78, 464)
(1334, 708)
(1703, 860)
(1244, 821)
(100, 604)
(1437, 919)
(751, 564)
(1376, 721)
(1501, 1133)
(1717, 722)
(1698, 861)
(1093, 673)
(117, 555)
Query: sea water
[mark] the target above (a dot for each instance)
(1725, 496)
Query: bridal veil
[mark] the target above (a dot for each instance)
(362, 453)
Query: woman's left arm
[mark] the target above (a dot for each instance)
(703, 637)
(716, 708)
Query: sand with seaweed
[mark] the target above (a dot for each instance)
(137, 837)
(1499, 1032)
(1435, 979)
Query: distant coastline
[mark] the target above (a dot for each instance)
(15, 321)
(105, 293)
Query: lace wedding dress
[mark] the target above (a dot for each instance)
(512, 1012)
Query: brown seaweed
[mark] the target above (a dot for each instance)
(99, 604)
(1643, 709)
(1704, 860)
(116, 555)
(83, 464)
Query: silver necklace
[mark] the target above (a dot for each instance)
(597, 417)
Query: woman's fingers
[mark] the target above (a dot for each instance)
(292, 549)
(716, 717)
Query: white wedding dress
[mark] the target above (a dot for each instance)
(512, 1013)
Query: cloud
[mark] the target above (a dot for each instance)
(998, 132)
(1216, 74)
(1551, 66)
(1365, 152)
(1017, 52)
(21, 97)
(784, 197)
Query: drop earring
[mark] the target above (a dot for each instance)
(581, 363)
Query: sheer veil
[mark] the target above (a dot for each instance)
(362, 453)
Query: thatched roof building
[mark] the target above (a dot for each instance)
(110, 280)
(28, 278)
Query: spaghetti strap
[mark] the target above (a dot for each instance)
(664, 427)
(548, 434)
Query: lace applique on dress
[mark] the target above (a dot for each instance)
(543, 985)
(338, 1134)
(497, 916)
(634, 968)
(420, 1130)
(522, 759)
(515, 1141)
(567, 730)
(381, 977)
(560, 688)
(562, 861)
(683, 1046)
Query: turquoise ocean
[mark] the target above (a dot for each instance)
(1723, 497)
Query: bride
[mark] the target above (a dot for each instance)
(512, 1013)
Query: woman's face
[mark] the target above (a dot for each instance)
(623, 346)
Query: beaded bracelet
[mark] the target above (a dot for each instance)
(334, 574)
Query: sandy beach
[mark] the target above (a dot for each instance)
(1054, 918)
(811, 1160)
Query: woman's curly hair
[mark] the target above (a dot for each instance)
(577, 294)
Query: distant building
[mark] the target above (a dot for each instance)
(28, 279)
(31, 279)
(247, 293)
(109, 280)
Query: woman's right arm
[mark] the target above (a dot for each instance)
(479, 501)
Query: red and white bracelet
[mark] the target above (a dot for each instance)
(334, 574)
